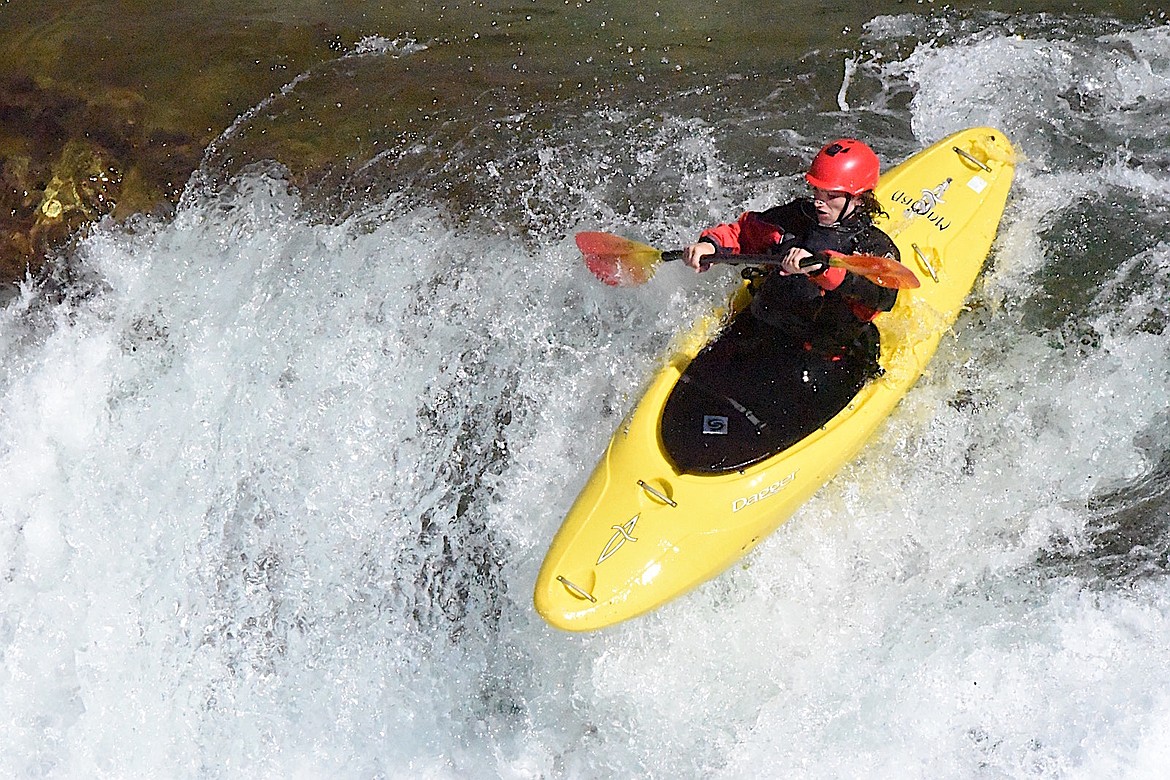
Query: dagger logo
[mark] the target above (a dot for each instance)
(930, 198)
(621, 534)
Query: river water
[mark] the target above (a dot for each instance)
(280, 467)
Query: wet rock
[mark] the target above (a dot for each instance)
(70, 159)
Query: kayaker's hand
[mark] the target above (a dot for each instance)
(791, 262)
(693, 255)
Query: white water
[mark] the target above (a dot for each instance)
(276, 492)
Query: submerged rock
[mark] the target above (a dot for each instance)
(69, 160)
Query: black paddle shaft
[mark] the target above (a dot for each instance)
(729, 259)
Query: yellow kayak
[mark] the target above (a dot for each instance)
(643, 532)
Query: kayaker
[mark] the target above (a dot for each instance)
(826, 308)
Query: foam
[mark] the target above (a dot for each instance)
(276, 490)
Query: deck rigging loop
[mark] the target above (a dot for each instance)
(924, 261)
(972, 160)
(577, 590)
(657, 494)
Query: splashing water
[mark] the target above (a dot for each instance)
(276, 486)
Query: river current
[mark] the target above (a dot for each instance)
(279, 468)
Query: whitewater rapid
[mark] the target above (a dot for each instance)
(276, 487)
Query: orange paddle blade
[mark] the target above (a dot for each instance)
(617, 261)
(882, 271)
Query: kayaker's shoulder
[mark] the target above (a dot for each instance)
(790, 215)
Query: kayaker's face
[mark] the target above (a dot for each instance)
(830, 204)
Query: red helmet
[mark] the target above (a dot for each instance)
(844, 165)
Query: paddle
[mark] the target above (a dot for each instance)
(620, 262)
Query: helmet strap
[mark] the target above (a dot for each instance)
(844, 210)
(847, 209)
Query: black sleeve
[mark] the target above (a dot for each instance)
(872, 242)
(792, 218)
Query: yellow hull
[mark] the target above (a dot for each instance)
(640, 533)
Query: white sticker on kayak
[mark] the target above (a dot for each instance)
(715, 424)
(977, 184)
